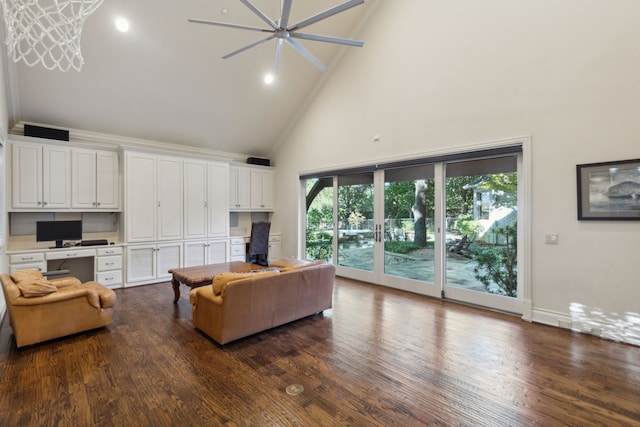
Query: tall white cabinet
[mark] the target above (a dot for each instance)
(205, 195)
(176, 214)
(154, 197)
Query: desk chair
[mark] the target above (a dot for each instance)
(258, 251)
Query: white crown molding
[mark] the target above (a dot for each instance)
(118, 141)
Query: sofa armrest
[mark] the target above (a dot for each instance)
(205, 292)
(63, 282)
(61, 294)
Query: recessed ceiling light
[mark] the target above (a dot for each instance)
(122, 25)
(269, 78)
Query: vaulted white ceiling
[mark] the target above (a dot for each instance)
(165, 80)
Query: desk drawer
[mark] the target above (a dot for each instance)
(238, 250)
(40, 266)
(74, 253)
(30, 258)
(110, 251)
(109, 278)
(109, 263)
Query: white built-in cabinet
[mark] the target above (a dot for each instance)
(261, 189)
(205, 193)
(250, 188)
(169, 190)
(152, 262)
(41, 176)
(95, 179)
(205, 252)
(239, 188)
(154, 197)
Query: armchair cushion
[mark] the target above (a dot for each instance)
(32, 284)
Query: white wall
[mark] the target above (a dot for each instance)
(4, 126)
(435, 75)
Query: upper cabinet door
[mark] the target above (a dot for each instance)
(218, 174)
(107, 180)
(239, 188)
(26, 162)
(141, 208)
(261, 190)
(41, 176)
(170, 199)
(195, 199)
(83, 180)
(56, 175)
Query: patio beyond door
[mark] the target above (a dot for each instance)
(447, 229)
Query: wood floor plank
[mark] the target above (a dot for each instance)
(380, 357)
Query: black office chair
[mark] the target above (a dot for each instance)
(258, 252)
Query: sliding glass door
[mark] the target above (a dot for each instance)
(481, 211)
(444, 228)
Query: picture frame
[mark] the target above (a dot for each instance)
(609, 190)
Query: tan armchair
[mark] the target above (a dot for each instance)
(40, 309)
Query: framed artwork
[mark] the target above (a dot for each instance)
(609, 190)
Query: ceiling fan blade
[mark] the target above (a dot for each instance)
(326, 39)
(286, 11)
(224, 24)
(315, 61)
(276, 62)
(324, 15)
(261, 15)
(247, 47)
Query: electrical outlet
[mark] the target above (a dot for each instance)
(551, 239)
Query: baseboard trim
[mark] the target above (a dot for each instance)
(622, 328)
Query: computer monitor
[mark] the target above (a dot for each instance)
(58, 231)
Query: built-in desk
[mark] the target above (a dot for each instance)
(239, 247)
(102, 264)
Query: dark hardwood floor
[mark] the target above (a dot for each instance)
(380, 357)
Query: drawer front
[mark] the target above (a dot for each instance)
(109, 278)
(238, 250)
(110, 263)
(275, 238)
(238, 241)
(238, 258)
(30, 258)
(80, 253)
(40, 266)
(110, 251)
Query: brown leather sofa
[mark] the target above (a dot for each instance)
(40, 309)
(236, 305)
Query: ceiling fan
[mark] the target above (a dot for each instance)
(283, 32)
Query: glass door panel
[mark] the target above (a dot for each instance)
(319, 230)
(355, 222)
(409, 225)
(481, 213)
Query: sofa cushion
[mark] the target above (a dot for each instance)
(220, 281)
(32, 284)
(288, 264)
